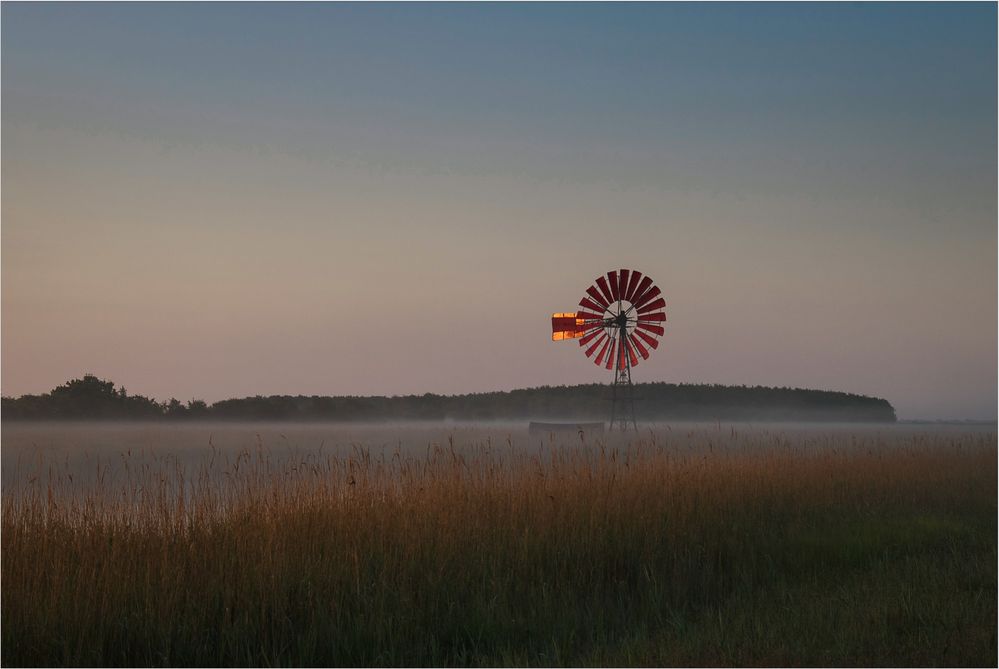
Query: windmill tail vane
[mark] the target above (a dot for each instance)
(619, 322)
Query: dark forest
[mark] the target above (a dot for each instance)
(91, 398)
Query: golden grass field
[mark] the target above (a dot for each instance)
(689, 545)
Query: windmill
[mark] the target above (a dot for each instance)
(621, 318)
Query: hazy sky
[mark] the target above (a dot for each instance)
(225, 200)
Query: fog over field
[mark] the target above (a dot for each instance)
(81, 447)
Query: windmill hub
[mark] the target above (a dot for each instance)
(622, 313)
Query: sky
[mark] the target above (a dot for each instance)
(221, 200)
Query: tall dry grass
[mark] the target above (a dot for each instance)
(717, 547)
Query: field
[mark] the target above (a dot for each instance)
(479, 545)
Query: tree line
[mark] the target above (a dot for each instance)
(91, 398)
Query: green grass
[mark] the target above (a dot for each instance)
(743, 550)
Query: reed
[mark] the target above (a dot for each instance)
(714, 547)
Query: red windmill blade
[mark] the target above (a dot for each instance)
(651, 341)
(640, 289)
(604, 290)
(647, 297)
(612, 280)
(623, 276)
(632, 285)
(644, 352)
(652, 306)
(589, 336)
(597, 297)
(600, 340)
(600, 356)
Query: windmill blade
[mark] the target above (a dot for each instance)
(652, 317)
(640, 290)
(637, 344)
(651, 294)
(587, 316)
(610, 358)
(590, 304)
(622, 282)
(632, 285)
(600, 356)
(589, 337)
(651, 341)
(651, 328)
(597, 297)
(612, 280)
(631, 352)
(651, 306)
(590, 350)
(602, 283)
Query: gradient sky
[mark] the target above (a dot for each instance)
(210, 201)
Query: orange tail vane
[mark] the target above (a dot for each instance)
(567, 326)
